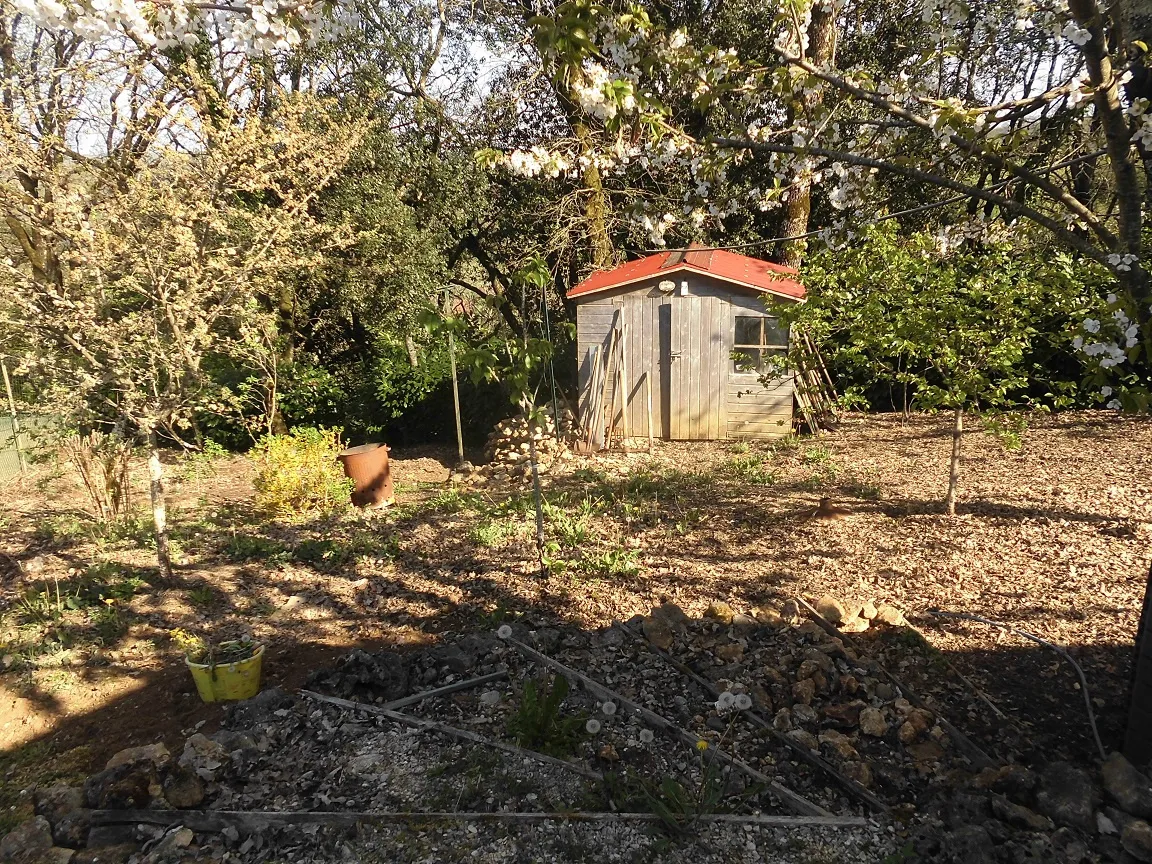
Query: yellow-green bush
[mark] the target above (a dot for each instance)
(298, 472)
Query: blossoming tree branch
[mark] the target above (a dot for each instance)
(1026, 111)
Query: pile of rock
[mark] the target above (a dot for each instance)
(509, 448)
(1053, 812)
(135, 778)
(814, 688)
(855, 616)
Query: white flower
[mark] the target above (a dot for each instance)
(1091, 325)
(593, 726)
(646, 736)
(743, 702)
(1111, 298)
(1076, 34)
(1105, 391)
(609, 708)
(1114, 405)
(505, 632)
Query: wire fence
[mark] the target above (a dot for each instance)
(17, 452)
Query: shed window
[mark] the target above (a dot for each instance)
(758, 339)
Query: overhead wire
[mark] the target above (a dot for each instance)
(955, 199)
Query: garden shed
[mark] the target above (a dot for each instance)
(686, 336)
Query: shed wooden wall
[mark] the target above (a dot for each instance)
(716, 401)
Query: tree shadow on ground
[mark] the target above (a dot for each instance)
(421, 571)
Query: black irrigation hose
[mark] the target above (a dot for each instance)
(964, 616)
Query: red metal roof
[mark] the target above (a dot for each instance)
(739, 269)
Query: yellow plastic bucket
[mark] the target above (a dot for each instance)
(228, 681)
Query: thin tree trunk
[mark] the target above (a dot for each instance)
(159, 513)
(798, 200)
(954, 465)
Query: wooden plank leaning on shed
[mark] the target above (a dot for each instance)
(793, 801)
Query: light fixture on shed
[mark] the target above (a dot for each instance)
(684, 288)
(667, 286)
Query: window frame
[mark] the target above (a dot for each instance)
(760, 348)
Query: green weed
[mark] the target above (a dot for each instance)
(609, 564)
(326, 552)
(862, 487)
(247, 547)
(789, 443)
(63, 529)
(750, 468)
(47, 601)
(570, 529)
(203, 597)
(201, 464)
(136, 529)
(108, 623)
(539, 722)
(494, 533)
(32, 766)
(816, 454)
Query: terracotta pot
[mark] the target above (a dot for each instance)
(367, 466)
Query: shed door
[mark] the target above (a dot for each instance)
(697, 368)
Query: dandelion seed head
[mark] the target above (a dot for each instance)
(504, 632)
(593, 726)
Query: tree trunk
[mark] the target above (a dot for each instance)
(1138, 739)
(159, 514)
(596, 208)
(798, 201)
(954, 465)
(1114, 123)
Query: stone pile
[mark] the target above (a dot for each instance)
(814, 690)
(508, 450)
(147, 777)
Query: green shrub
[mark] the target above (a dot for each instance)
(298, 473)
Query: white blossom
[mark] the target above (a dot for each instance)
(1076, 34)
